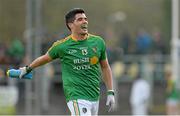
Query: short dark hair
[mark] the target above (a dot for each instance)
(70, 16)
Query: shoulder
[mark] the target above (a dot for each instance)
(59, 43)
(95, 37)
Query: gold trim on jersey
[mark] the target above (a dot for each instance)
(75, 39)
(76, 108)
(59, 42)
(97, 36)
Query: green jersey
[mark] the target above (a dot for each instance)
(81, 70)
(174, 92)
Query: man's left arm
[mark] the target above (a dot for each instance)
(107, 74)
(107, 78)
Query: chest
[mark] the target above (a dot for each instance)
(82, 50)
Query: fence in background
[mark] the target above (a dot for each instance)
(125, 69)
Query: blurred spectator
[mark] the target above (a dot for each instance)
(2, 77)
(125, 42)
(140, 95)
(1, 73)
(16, 51)
(110, 53)
(143, 42)
(173, 96)
(113, 54)
(159, 46)
(3, 58)
(9, 99)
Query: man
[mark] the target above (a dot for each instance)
(173, 95)
(83, 57)
(140, 95)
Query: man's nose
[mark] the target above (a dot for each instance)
(85, 21)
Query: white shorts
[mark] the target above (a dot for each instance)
(83, 107)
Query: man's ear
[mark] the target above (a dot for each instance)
(70, 25)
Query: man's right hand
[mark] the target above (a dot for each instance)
(24, 70)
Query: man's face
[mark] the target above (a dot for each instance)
(80, 24)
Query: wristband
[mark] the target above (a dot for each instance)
(28, 69)
(110, 92)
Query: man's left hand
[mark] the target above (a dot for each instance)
(110, 101)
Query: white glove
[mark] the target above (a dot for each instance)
(110, 102)
(23, 72)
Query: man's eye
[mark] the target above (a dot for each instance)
(80, 19)
(85, 19)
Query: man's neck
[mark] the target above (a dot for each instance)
(79, 36)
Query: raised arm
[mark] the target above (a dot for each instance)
(40, 61)
(36, 63)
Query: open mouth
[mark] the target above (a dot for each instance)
(84, 26)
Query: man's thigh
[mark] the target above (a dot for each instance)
(79, 107)
(83, 107)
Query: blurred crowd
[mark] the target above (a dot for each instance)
(12, 53)
(142, 44)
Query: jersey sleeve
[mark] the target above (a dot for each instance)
(53, 51)
(103, 52)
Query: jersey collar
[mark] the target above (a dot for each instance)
(75, 39)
